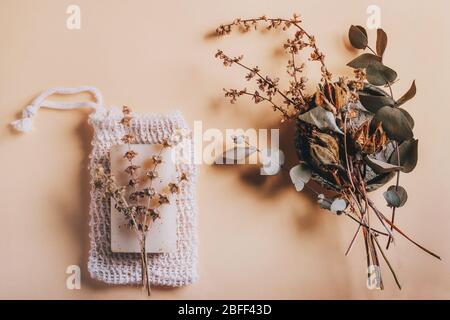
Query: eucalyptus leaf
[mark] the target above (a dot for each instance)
(396, 196)
(408, 151)
(379, 181)
(379, 166)
(408, 95)
(338, 205)
(408, 116)
(300, 172)
(379, 75)
(323, 202)
(374, 90)
(236, 154)
(362, 61)
(321, 118)
(381, 42)
(374, 102)
(299, 186)
(395, 123)
(358, 37)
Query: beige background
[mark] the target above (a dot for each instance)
(155, 55)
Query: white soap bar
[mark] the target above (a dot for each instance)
(161, 236)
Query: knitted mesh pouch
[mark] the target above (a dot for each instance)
(176, 268)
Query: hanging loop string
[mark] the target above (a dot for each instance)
(25, 124)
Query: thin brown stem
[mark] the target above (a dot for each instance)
(295, 23)
(294, 74)
(388, 263)
(402, 233)
(269, 82)
(396, 188)
(145, 276)
(350, 246)
(285, 114)
(373, 51)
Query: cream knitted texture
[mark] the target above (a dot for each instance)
(169, 269)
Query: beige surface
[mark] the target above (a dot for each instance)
(153, 55)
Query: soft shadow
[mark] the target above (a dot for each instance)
(273, 187)
(347, 45)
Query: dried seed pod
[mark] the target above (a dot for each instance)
(163, 199)
(126, 110)
(183, 177)
(367, 142)
(149, 192)
(174, 188)
(133, 182)
(156, 159)
(126, 121)
(324, 152)
(128, 138)
(131, 169)
(152, 174)
(153, 213)
(130, 155)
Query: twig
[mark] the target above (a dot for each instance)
(402, 233)
(396, 188)
(388, 263)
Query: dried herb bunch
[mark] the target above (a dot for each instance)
(353, 135)
(139, 206)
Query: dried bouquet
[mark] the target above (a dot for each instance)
(353, 136)
(139, 206)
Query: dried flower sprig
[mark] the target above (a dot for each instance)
(292, 98)
(353, 137)
(142, 206)
(302, 39)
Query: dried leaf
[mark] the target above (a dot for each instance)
(395, 123)
(381, 42)
(323, 156)
(374, 102)
(358, 37)
(319, 98)
(380, 75)
(321, 118)
(324, 151)
(408, 151)
(379, 166)
(340, 96)
(408, 95)
(362, 61)
(396, 196)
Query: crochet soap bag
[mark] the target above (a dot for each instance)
(176, 268)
